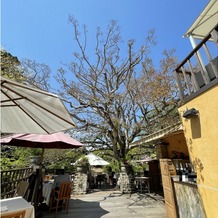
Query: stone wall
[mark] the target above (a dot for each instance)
(188, 200)
(80, 184)
(126, 180)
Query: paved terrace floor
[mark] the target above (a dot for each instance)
(113, 204)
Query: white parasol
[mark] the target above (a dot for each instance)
(28, 110)
(95, 160)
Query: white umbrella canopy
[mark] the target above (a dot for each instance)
(28, 110)
(95, 160)
(205, 22)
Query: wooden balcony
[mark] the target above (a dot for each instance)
(199, 70)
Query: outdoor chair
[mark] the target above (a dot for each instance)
(17, 214)
(22, 189)
(60, 198)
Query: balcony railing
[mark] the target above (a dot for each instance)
(193, 75)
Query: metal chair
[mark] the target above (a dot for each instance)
(17, 214)
(60, 198)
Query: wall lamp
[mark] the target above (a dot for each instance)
(190, 113)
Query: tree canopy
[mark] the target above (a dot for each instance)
(116, 94)
(25, 70)
(117, 98)
(10, 66)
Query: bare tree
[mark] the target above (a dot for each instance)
(26, 70)
(116, 99)
(37, 74)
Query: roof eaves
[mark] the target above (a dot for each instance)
(159, 134)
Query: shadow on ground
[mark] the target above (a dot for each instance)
(85, 208)
(112, 203)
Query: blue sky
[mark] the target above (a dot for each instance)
(39, 29)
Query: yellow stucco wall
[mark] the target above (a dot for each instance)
(201, 134)
(177, 143)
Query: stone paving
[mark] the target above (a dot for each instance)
(112, 204)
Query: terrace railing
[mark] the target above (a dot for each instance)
(10, 180)
(193, 75)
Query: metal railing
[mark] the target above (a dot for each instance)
(193, 74)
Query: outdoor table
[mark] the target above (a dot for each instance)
(46, 191)
(141, 180)
(17, 204)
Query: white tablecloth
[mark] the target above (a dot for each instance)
(16, 204)
(46, 191)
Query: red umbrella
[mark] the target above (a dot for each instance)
(56, 140)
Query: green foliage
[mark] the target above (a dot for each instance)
(14, 158)
(139, 168)
(36, 151)
(58, 158)
(114, 166)
(10, 67)
(107, 168)
(82, 161)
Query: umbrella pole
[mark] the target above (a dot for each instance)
(41, 159)
(38, 185)
(40, 164)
